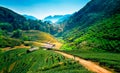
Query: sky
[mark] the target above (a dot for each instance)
(42, 8)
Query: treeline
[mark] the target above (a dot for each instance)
(28, 25)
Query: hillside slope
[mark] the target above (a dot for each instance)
(94, 11)
(94, 26)
(10, 19)
(28, 38)
(38, 38)
(9, 16)
(103, 35)
(34, 35)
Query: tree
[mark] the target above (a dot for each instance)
(17, 33)
(6, 26)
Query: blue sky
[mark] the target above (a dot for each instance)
(43, 8)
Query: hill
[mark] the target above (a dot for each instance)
(103, 35)
(28, 38)
(38, 38)
(99, 43)
(95, 26)
(94, 11)
(9, 16)
(34, 35)
(10, 21)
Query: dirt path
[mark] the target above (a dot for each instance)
(87, 64)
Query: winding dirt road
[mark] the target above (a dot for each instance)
(87, 64)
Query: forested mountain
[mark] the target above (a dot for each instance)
(95, 26)
(9, 16)
(10, 21)
(94, 11)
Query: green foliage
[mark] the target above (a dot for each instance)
(103, 35)
(8, 16)
(6, 26)
(9, 42)
(17, 33)
(39, 61)
(94, 11)
(1, 32)
(95, 26)
(68, 47)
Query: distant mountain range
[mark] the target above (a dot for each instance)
(30, 17)
(11, 21)
(56, 18)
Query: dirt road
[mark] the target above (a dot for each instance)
(91, 66)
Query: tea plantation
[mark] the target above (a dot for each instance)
(40, 61)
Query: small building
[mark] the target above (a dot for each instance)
(48, 46)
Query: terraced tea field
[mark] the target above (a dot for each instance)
(40, 61)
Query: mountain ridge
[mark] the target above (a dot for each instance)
(94, 11)
(9, 16)
(11, 21)
(94, 27)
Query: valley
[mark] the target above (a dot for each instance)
(86, 41)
